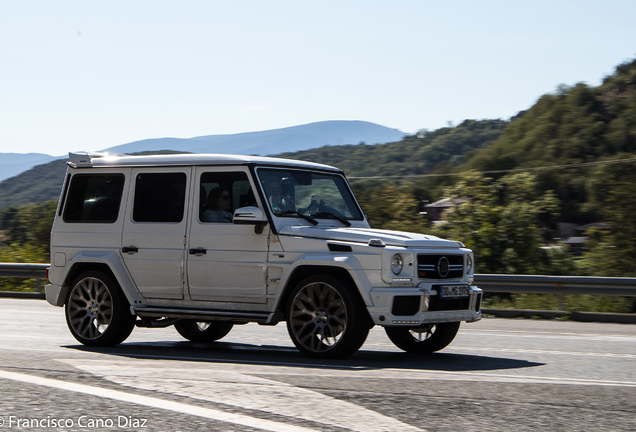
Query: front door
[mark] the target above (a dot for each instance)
(226, 262)
(153, 240)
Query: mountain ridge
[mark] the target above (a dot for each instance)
(273, 141)
(262, 143)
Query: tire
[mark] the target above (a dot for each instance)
(97, 312)
(197, 331)
(424, 339)
(326, 320)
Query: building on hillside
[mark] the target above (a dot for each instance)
(577, 243)
(603, 226)
(435, 210)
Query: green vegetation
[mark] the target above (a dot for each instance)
(613, 252)
(502, 221)
(577, 125)
(569, 302)
(39, 184)
(419, 154)
(25, 238)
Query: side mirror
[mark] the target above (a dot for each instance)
(251, 216)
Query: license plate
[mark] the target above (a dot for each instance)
(455, 291)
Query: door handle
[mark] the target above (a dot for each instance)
(130, 249)
(199, 251)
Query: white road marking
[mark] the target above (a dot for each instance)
(227, 385)
(206, 373)
(534, 351)
(155, 403)
(550, 335)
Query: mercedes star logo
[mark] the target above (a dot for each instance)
(443, 267)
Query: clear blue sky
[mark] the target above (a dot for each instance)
(87, 75)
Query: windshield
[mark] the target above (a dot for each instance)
(296, 193)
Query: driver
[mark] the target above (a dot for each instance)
(275, 196)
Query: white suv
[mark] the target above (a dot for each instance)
(206, 242)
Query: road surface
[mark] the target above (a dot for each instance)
(498, 375)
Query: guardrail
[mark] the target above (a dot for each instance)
(25, 271)
(625, 287)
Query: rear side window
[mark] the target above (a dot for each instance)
(94, 198)
(159, 197)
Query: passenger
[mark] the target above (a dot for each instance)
(219, 206)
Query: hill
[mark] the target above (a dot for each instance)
(418, 154)
(274, 141)
(580, 126)
(577, 124)
(39, 184)
(12, 164)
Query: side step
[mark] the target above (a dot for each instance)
(264, 318)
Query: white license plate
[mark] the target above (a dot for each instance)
(455, 291)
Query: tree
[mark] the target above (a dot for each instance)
(500, 220)
(392, 207)
(28, 228)
(613, 253)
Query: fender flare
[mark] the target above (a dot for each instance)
(117, 267)
(307, 262)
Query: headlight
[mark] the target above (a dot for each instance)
(469, 264)
(397, 264)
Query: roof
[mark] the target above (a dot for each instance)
(446, 203)
(85, 159)
(599, 225)
(576, 240)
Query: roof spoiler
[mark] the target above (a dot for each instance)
(83, 159)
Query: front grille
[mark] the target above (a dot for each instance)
(440, 266)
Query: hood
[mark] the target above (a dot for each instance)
(363, 235)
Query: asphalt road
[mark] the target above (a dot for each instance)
(498, 375)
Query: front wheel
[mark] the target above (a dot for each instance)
(326, 320)
(197, 331)
(97, 312)
(424, 339)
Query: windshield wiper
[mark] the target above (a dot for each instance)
(294, 212)
(329, 214)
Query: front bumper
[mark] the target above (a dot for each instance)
(415, 306)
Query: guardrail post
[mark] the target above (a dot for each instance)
(560, 297)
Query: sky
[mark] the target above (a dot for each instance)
(88, 75)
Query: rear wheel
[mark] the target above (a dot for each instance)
(198, 331)
(326, 320)
(424, 339)
(97, 312)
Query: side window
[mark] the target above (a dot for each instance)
(94, 198)
(159, 197)
(221, 193)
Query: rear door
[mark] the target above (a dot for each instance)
(153, 239)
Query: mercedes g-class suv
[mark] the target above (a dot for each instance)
(206, 242)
